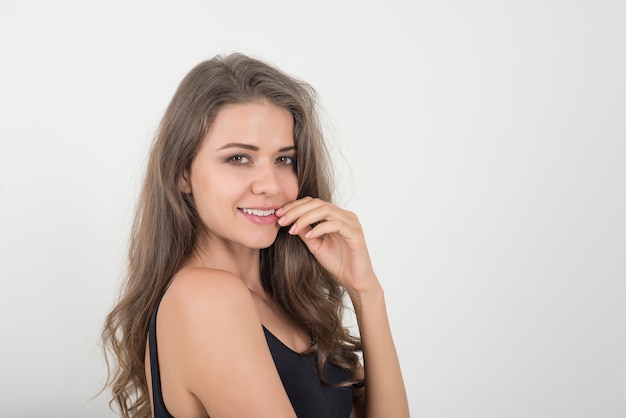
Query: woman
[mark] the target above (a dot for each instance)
(238, 249)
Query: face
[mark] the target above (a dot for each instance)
(242, 172)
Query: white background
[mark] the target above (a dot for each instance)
(482, 143)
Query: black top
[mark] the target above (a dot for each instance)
(309, 397)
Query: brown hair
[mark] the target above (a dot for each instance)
(166, 225)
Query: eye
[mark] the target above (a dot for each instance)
(286, 160)
(238, 159)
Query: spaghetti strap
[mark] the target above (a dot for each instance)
(158, 405)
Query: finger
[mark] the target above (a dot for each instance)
(297, 205)
(314, 215)
(312, 243)
(325, 228)
(295, 210)
(350, 233)
(290, 205)
(307, 216)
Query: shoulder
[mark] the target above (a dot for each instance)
(211, 343)
(214, 302)
(201, 314)
(191, 280)
(204, 298)
(201, 291)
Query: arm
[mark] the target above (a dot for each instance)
(212, 349)
(338, 243)
(385, 395)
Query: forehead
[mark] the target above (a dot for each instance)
(258, 123)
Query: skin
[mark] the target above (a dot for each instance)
(214, 308)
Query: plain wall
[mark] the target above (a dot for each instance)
(483, 145)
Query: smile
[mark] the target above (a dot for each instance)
(257, 212)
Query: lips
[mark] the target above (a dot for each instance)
(260, 216)
(258, 212)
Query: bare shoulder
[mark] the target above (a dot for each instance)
(211, 301)
(205, 282)
(212, 345)
(198, 290)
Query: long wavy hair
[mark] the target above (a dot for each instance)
(166, 226)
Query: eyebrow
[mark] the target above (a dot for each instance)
(252, 147)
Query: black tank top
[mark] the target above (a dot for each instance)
(298, 372)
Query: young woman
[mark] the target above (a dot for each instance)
(239, 251)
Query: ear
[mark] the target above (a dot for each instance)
(185, 183)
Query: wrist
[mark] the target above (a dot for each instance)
(367, 297)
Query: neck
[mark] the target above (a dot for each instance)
(242, 262)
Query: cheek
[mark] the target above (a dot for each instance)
(291, 187)
(208, 193)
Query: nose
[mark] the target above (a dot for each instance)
(265, 180)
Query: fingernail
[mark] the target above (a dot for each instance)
(292, 230)
(282, 221)
(308, 234)
(279, 211)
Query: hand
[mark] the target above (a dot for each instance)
(334, 236)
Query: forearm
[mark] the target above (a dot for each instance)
(385, 395)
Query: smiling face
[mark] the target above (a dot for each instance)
(243, 171)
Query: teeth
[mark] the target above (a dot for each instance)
(257, 212)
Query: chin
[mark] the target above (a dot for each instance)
(262, 242)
